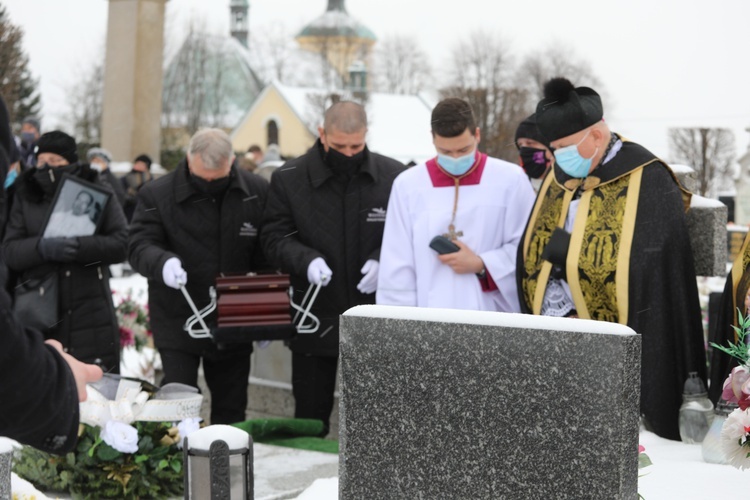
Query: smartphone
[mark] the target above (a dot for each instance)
(443, 245)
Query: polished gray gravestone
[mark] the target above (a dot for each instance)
(6, 463)
(707, 227)
(441, 403)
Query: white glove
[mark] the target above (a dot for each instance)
(318, 272)
(173, 274)
(369, 282)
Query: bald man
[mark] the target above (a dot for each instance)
(323, 224)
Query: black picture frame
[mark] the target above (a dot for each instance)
(64, 217)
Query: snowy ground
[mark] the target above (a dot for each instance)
(678, 469)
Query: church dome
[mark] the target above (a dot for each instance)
(336, 22)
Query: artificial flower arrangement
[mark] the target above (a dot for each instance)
(643, 462)
(133, 320)
(127, 447)
(138, 356)
(735, 432)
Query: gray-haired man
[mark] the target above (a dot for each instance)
(190, 226)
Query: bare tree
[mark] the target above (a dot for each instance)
(84, 101)
(184, 92)
(483, 73)
(556, 60)
(710, 151)
(17, 86)
(273, 46)
(401, 66)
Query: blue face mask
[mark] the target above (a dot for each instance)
(10, 178)
(571, 162)
(457, 166)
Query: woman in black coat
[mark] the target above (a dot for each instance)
(86, 324)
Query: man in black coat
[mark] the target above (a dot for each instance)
(323, 224)
(190, 226)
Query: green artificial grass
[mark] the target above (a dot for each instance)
(296, 433)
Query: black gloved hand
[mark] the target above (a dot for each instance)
(58, 249)
(556, 250)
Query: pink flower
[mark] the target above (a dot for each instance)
(126, 337)
(735, 439)
(641, 448)
(737, 387)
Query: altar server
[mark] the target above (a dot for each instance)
(479, 203)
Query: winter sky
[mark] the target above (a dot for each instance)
(664, 63)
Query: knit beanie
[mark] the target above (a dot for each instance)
(527, 129)
(99, 153)
(59, 143)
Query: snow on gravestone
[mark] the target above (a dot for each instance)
(440, 403)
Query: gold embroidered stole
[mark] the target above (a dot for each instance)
(740, 280)
(545, 216)
(598, 262)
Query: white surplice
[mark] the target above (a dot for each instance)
(492, 215)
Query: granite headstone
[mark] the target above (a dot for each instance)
(440, 403)
(6, 462)
(707, 227)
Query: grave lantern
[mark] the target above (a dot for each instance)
(218, 464)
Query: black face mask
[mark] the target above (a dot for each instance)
(215, 188)
(341, 164)
(534, 161)
(49, 177)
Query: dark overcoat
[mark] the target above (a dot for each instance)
(173, 218)
(88, 325)
(310, 213)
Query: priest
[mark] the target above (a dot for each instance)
(477, 203)
(607, 240)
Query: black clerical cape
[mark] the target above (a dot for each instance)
(733, 298)
(628, 261)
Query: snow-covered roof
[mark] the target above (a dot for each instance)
(398, 125)
(211, 74)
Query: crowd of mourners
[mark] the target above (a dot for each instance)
(590, 225)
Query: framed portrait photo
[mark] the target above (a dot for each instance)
(77, 209)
